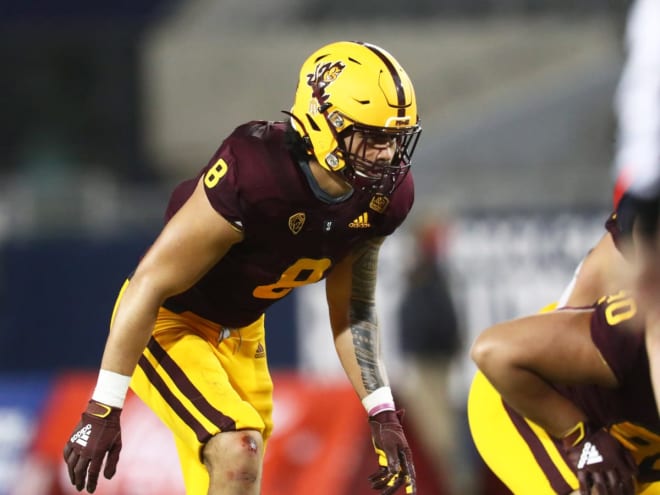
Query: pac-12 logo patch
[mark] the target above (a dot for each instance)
(296, 222)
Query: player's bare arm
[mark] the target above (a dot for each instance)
(364, 324)
(351, 291)
(189, 245)
(194, 239)
(554, 346)
(523, 357)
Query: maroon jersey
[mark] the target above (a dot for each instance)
(293, 233)
(629, 411)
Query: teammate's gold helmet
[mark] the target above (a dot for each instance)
(350, 86)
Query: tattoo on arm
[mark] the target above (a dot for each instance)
(364, 325)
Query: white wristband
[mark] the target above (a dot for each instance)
(111, 388)
(378, 401)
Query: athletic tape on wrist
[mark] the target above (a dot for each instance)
(111, 388)
(378, 401)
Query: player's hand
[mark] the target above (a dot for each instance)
(603, 465)
(96, 435)
(394, 455)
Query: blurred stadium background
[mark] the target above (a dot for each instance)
(105, 106)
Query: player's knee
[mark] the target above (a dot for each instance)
(235, 456)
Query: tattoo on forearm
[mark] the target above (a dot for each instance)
(365, 341)
(364, 273)
(364, 325)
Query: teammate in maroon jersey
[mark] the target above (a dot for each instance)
(279, 205)
(568, 391)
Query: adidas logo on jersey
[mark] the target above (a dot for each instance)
(261, 352)
(361, 222)
(590, 455)
(82, 435)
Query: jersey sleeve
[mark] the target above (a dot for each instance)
(617, 332)
(221, 184)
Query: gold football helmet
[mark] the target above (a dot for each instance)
(347, 87)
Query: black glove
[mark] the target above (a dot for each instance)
(394, 455)
(96, 435)
(603, 466)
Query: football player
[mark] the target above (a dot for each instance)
(563, 399)
(279, 205)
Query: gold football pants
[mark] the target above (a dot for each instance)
(201, 380)
(520, 453)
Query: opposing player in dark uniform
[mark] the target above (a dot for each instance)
(279, 205)
(563, 400)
